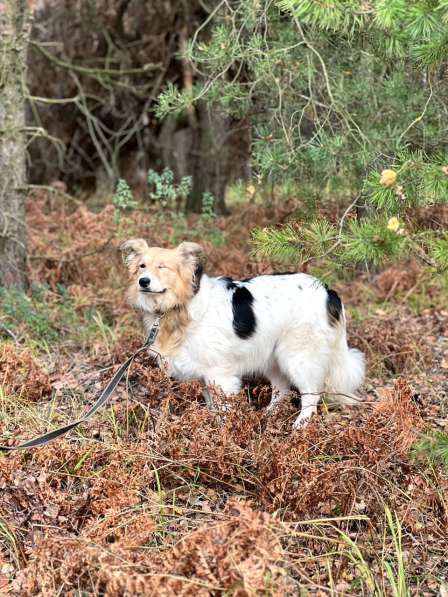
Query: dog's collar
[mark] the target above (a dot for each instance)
(161, 314)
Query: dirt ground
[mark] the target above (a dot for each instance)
(156, 495)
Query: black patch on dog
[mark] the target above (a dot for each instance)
(244, 322)
(334, 306)
(230, 284)
(197, 277)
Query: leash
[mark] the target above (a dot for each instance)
(43, 439)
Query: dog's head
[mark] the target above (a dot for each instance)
(161, 279)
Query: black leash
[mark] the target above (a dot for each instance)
(41, 440)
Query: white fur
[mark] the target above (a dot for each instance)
(294, 342)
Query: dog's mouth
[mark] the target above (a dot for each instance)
(147, 291)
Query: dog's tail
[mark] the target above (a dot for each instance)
(347, 368)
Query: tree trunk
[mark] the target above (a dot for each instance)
(14, 33)
(209, 159)
(211, 148)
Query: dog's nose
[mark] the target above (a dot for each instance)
(144, 282)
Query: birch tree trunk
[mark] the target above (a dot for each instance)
(14, 34)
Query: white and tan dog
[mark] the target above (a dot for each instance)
(287, 327)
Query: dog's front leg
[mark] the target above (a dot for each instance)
(280, 387)
(228, 384)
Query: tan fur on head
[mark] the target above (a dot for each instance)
(172, 274)
(132, 250)
(191, 253)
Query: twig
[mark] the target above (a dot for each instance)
(54, 191)
(339, 235)
(420, 116)
(95, 72)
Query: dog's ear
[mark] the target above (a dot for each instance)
(192, 254)
(193, 257)
(132, 250)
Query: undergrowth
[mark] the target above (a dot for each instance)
(158, 496)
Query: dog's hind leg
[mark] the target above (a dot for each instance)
(307, 372)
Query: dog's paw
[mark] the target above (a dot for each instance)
(272, 407)
(303, 419)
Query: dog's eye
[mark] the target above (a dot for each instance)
(161, 266)
(142, 265)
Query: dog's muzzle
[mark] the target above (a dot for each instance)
(145, 283)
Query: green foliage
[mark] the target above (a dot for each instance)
(438, 251)
(434, 51)
(294, 241)
(336, 15)
(208, 206)
(169, 194)
(393, 568)
(396, 571)
(328, 80)
(365, 241)
(370, 241)
(164, 190)
(172, 101)
(278, 244)
(434, 447)
(44, 317)
(421, 180)
(335, 91)
(29, 315)
(123, 198)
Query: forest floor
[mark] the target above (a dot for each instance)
(154, 495)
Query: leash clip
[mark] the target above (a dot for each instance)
(153, 332)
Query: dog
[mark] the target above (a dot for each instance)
(287, 327)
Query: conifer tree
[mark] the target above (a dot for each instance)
(345, 94)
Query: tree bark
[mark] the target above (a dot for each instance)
(211, 148)
(209, 159)
(14, 34)
(220, 155)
